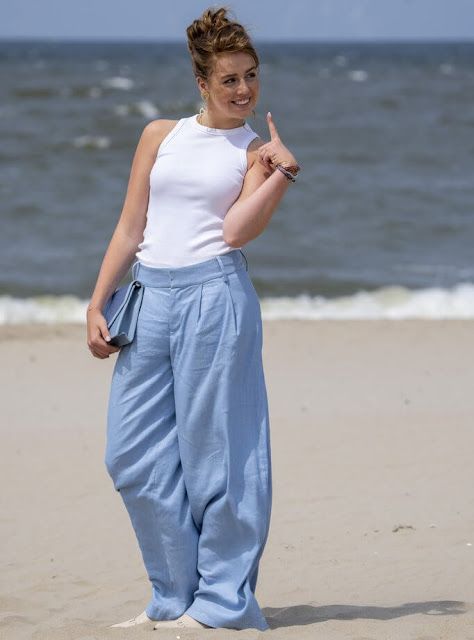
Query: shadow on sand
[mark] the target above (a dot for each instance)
(308, 614)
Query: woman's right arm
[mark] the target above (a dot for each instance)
(125, 239)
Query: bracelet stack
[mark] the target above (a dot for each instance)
(289, 172)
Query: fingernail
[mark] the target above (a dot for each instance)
(269, 114)
(107, 338)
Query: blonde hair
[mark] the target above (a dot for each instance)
(213, 33)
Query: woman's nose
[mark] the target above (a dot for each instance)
(243, 87)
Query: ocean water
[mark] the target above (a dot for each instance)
(379, 224)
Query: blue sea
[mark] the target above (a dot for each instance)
(380, 223)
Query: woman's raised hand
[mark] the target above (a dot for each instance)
(274, 152)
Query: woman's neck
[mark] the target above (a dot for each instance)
(208, 122)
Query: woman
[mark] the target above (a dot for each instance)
(188, 444)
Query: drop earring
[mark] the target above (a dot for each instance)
(204, 96)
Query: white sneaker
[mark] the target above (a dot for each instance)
(183, 622)
(133, 622)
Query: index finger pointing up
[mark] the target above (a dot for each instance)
(271, 127)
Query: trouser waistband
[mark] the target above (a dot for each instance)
(190, 274)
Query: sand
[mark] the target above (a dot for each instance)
(372, 533)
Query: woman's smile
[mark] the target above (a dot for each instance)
(241, 104)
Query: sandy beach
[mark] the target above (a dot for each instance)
(372, 533)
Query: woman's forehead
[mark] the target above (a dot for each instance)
(233, 62)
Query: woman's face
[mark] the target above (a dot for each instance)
(234, 80)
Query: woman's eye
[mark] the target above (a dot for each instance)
(251, 75)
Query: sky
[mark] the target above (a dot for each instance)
(266, 20)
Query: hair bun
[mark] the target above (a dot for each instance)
(212, 33)
(211, 20)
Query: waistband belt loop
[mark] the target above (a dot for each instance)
(135, 269)
(245, 258)
(221, 265)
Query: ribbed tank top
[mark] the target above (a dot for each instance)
(197, 175)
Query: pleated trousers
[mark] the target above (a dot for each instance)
(188, 440)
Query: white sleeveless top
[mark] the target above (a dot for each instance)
(197, 175)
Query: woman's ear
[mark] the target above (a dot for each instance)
(201, 84)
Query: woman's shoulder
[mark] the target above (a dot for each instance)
(153, 134)
(252, 149)
(156, 131)
(255, 143)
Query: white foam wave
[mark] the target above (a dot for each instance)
(118, 82)
(42, 309)
(142, 107)
(358, 75)
(394, 303)
(91, 142)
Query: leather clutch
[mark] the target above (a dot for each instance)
(121, 312)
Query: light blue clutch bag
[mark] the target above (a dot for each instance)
(121, 312)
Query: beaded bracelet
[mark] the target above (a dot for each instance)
(289, 175)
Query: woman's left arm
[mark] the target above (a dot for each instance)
(263, 188)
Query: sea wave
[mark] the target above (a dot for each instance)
(91, 142)
(118, 82)
(144, 108)
(394, 303)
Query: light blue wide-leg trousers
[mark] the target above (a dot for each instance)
(188, 440)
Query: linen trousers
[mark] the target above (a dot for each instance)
(188, 440)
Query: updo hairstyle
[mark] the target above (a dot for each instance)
(213, 33)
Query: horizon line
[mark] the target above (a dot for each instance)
(147, 40)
